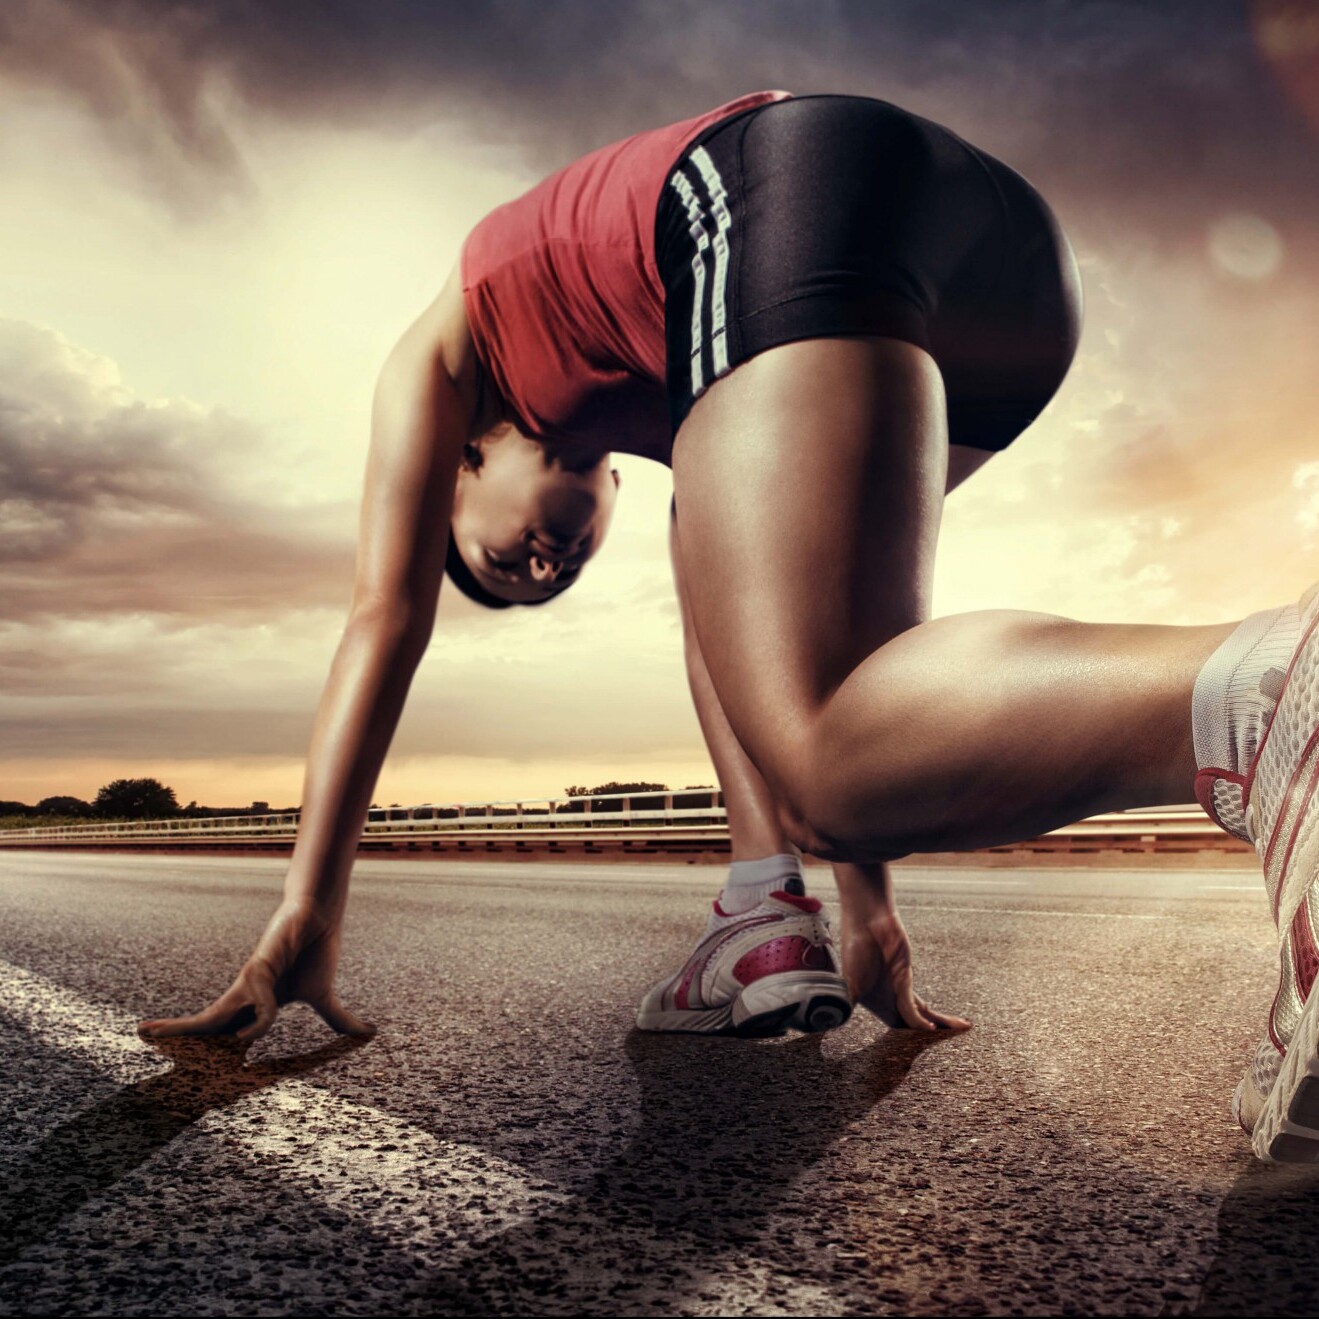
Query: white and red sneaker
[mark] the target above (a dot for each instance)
(755, 974)
(1275, 806)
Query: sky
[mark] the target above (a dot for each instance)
(216, 218)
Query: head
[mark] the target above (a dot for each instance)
(527, 515)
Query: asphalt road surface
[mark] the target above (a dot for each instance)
(509, 1144)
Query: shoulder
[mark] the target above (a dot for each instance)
(441, 339)
(441, 333)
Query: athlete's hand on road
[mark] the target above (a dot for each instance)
(876, 956)
(294, 962)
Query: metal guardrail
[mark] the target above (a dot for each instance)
(622, 810)
(687, 819)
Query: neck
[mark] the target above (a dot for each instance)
(578, 459)
(489, 409)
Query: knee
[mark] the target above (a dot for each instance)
(798, 830)
(822, 812)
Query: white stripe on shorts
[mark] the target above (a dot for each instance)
(696, 226)
(724, 223)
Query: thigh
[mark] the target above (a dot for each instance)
(809, 485)
(964, 462)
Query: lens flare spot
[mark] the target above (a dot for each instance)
(1287, 37)
(1245, 247)
(1287, 29)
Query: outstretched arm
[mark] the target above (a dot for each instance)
(423, 409)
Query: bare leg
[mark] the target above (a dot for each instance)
(809, 488)
(755, 818)
(754, 824)
(875, 952)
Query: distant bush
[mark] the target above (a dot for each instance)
(71, 806)
(50, 821)
(609, 789)
(137, 799)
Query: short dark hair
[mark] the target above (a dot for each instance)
(465, 580)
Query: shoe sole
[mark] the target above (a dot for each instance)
(1287, 1129)
(765, 1008)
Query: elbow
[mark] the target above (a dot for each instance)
(399, 624)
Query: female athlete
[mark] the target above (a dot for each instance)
(823, 312)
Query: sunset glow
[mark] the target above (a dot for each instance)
(203, 262)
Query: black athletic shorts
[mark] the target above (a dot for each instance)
(840, 215)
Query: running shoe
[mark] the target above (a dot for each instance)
(1275, 806)
(755, 974)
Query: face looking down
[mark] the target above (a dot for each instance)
(528, 514)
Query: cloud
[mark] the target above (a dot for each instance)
(1162, 484)
(164, 597)
(164, 592)
(141, 687)
(1306, 479)
(1167, 103)
(513, 712)
(111, 503)
(138, 76)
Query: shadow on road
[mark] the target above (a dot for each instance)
(727, 1128)
(1267, 1228)
(94, 1150)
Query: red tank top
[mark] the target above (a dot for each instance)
(564, 299)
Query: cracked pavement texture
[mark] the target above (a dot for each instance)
(508, 1143)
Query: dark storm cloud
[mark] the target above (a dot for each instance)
(150, 596)
(139, 78)
(110, 504)
(1166, 102)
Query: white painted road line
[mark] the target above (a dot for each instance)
(1034, 911)
(969, 883)
(68, 1024)
(422, 1195)
(430, 1200)
(417, 1190)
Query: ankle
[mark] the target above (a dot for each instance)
(749, 883)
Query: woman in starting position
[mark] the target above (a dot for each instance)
(823, 312)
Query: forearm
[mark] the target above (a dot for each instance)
(867, 887)
(355, 723)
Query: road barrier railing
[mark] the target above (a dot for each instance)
(653, 821)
